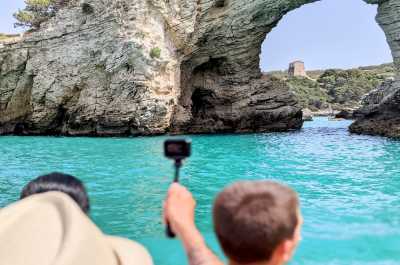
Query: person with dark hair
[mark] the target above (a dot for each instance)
(50, 228)
(256, 222)
(50, 225)
(67, 184)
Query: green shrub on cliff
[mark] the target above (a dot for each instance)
(308, 93)
(37, 11)
(155, 53)
(348, 86)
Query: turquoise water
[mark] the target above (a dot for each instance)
(349, 185)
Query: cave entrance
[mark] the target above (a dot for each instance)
(201, 102)
(314, 38)
(200, 97)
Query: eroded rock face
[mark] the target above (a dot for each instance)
(380, 113)
(97, 72)
(91, 74)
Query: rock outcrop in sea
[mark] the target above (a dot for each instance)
(149, 67)
(380, 112)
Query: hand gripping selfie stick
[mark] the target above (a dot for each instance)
(176, 150)
(177, 165)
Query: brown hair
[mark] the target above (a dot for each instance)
(252, 218)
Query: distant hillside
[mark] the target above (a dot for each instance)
(335, 87)
(4, 37)
(386, 68)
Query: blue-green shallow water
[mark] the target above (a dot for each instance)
(349, 185)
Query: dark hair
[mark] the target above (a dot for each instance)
(252, 218)
(59, 182)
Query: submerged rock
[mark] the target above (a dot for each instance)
(307, 115)
(151, 67)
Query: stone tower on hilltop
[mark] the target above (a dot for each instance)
(297, 68)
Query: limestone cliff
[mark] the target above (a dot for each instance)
(380, 114)
(150, 67)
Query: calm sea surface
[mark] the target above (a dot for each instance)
(349, 185)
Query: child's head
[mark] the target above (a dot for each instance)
(257, 221)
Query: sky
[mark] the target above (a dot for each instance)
(7, 9)
(325, 34)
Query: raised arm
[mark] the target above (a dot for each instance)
(179, 209)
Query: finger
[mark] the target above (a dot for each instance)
(176, 186)
(171, 189)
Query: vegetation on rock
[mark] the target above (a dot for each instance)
(37, 11)
(309, 93)
(335, 87)
(155, 53)
(348, 86)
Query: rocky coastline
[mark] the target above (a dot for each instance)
(334, 92)
(151, 67)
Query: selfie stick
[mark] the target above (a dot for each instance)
(177, 165)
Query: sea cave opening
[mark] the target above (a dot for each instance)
(330, 53)
(201, 97)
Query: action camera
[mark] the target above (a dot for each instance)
(177, 149)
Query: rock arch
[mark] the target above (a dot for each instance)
(236, 37)
(98, 69)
